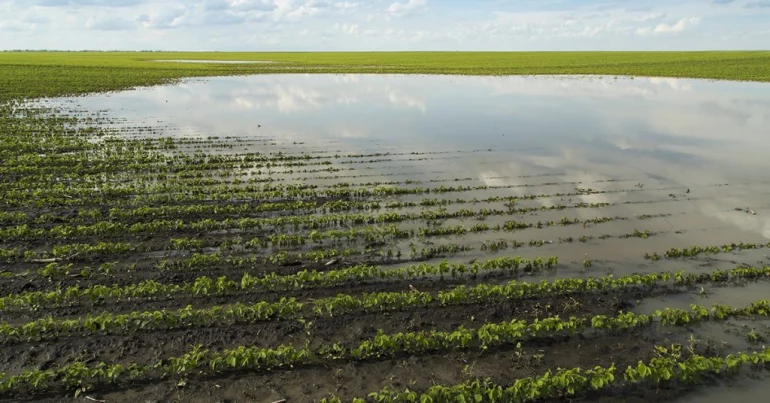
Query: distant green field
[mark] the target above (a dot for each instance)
(36, 74)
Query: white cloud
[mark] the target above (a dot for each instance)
(665, 28)
(680, 25)
(409, 6)
(77, 3)
(350, 29)
(368, 25)
(650, 17)
(108, 24)
(591, 31)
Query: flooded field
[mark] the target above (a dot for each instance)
(308, 237)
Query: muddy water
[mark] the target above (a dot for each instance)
(740, 390)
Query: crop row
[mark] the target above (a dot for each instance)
(696, 250)
(56, 269)
(245, 209)
(161, 183)
(202, 261)
(370, 234)
(163, 194)
(325, 207)
(150, 163)
(110, 228)
(59, 194)
(29, 164)
(140, 147)
(145, 178)
(222, 285)
(204, 285)
(210, 179)
(150, 185)
(126, 167)
(288, 308)
(81, 377)
(198, 180)
(668, 367)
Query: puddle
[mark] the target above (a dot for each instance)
(734, 295)
(216, 61)
(746, 390)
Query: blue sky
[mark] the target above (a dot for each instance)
(384, 24)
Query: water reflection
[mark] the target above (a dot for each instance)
(687, 117)
(660, 133)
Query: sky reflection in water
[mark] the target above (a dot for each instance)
(664, 132)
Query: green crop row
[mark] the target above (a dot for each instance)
(197, 180)
(696, 250)
(304, 279)
(167, 211)
(371, 234)
(668, 367)
(511, 332)
(153, 163)
(110, 228)
(226, 192)
(116, 186)
(82, 251)
(300, 206)
(80, 376)
(59, 194)
(388, 301)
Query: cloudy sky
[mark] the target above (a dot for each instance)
(384, 24)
